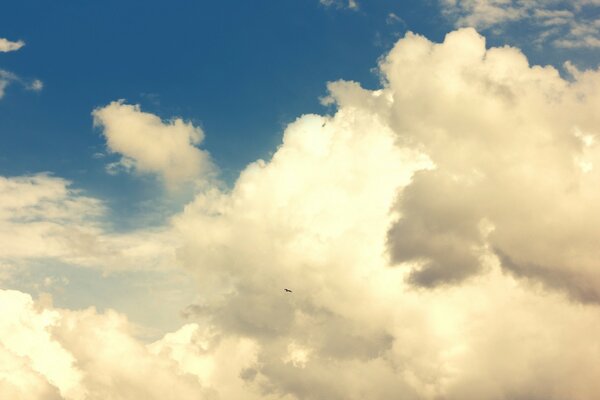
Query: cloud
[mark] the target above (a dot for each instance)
(8, 46)
(43, 218)
(7, 77)
(149, 145)
(515, 154)
(565, 24)
(36, 85)
(350, 4)
(438, 235)
(53, 353)
(467, 167)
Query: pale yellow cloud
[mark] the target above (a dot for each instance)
(467, 164)
(8, 46)
(149, 145)
(438, 234)
(42, 217)
(507, 142)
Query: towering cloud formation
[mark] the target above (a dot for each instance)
(466, 163)
(439, 236)
(151, 146)
(516, 161)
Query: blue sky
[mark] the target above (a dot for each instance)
(265, 62)
(174, 165)
(241, 71)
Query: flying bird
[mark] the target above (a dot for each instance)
(288, 290)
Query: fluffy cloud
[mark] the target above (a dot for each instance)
(468, 163)
(50, 353)
(150, 145)
(516, 161)
(7, 46)
(56, 354)
(438, 235)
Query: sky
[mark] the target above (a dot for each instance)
(422, 175)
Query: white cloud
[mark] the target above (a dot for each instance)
(562, 23)
(480, 154)
(437, 233)
(6, 78)
(60, 354)
(150, 145)
(36, 85)
(43, 218)
(51, 353)
(501, 134)
(7, 45)
(484, 13)
(350, 4)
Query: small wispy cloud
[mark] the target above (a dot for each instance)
(7, 78)
(7, 45)
(393, 18)
(350, 4)
(36, 85)
(564, 24)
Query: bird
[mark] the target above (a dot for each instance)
(288, 290)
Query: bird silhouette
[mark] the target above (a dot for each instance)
(288, 290)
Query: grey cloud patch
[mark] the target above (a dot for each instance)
(577, 285)
(438, 230)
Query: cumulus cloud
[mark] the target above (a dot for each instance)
(467, 164)
(515, 154)
(7, 45)
(438, 235)
(51, 353)
(149, 145)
